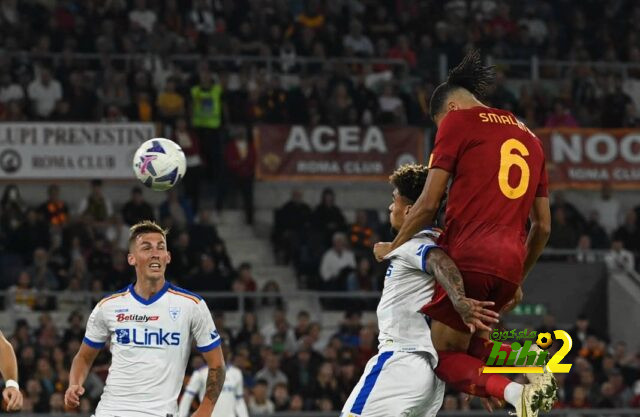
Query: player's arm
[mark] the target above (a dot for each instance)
(9, 369)
(215, 381)
(475, 314)
(80, 367)
(539, 232)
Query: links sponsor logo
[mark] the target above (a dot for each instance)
(527, 357)
(147, 337)
(137, 318)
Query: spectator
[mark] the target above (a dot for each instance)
(246, 277)
(137, 209)
(240, 156)
(182, 258)
(190, 144)
(280, 397)
(271, 373)
(628, 232)
(619, 259)
(96, 206)
(259, 402)
(580, 332)
(363, 278)
(142, 16)
(336, 263)
(12, 209)
(249, 327)
(81, 100)
(21, 296)
(357, 41)
(402, 50)
(617, 106)
(563, 235)
(170, 103)
(597, 234)
(391, 107)
(291, 222)
(44, 92)
(303, 325)
(33, 233)
(561, 116)
(176, 208)
(327, 218)
(361, 233)
(202, 18)
(54, 210)
(10, 90)
(324, 387)
(584, 252)
(43, 278)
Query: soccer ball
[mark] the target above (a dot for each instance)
(159, 163)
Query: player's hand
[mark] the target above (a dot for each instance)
(72, 396)
(381, 249)
(517, 297)
(13, 398)
(476, 314)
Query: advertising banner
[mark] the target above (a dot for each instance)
(337, 153)
(585, 158)
(70, 150)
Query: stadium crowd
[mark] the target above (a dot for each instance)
(155, 86)
(287, 366)
(81, 245)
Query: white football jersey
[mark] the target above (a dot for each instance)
(231, 400)
(150, 346)
(407, 288)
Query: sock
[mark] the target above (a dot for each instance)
(513, 392)
(464, 373)
(480, 348)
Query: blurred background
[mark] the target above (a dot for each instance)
(292, 113)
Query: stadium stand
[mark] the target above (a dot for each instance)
(301, 62)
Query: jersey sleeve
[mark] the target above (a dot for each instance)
(203, 329)
(97, 332)
(416, 254)
(449, 142)
(543, 184)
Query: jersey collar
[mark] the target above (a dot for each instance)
(151, 300)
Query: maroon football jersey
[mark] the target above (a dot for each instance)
(497, 166)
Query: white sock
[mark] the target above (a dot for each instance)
(513, 392)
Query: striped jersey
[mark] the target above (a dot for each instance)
(150, 342)
(407, 287)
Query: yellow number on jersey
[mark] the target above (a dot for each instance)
(507, 160)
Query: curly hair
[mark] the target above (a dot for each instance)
(145, 226)
(409, 180)
(470, 74)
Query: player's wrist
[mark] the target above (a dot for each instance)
(12, 383)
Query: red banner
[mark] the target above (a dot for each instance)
(585, 158)
(342, 153)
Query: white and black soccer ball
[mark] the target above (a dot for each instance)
(159, 164)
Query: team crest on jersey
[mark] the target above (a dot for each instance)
(174, 312)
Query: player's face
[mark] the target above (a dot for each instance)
(398, 210)
(149, 255)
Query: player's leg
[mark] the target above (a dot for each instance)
(451, 339)
(395, 388)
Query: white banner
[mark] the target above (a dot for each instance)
(70, 150)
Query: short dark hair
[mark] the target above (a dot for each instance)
(470, 74)
(145, 226)
(409, 180)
